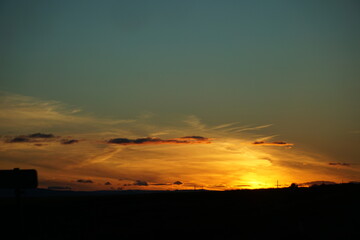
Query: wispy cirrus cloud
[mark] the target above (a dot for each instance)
(194, 122)
(29, 113)
(67, 145)
(252, 128)
(232, 128)
(226, 125)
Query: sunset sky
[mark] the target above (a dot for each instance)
(100, 95)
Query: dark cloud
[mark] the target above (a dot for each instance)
(268, 159)
(148, 140)
(160, 184)
(121, 141)
(38, 138)
(41, 135)
(339, 164)
(195, 137)
(309, 184)
(277, 143)
(19, 139)
(140, 183)
(59, 188)
(71, 141)
(108, 183)
(30, 138)
(84, 181)
(154, 140)
(177, 183)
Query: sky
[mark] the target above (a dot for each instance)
(101, 95)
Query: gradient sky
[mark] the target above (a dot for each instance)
(233, 72)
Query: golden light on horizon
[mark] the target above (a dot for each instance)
(219, 158)
(221, 165)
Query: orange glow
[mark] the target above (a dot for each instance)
(219, 158)
(222, 165)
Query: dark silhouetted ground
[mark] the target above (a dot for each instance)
(325, 212)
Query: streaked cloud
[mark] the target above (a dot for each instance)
(33, 114)
(84, 181)
(19, 139)
(226, 125)
(252, 128)
(140, 183)
(314, 183)
(69, 141)
(236, 129)
(35, 137)
(277, 143)
(41, 135)
(68, 146)
(154, 140)
(38, 139)
(194, 122)
(339, 164)
(263, 139)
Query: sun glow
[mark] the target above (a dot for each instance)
(106, 158)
